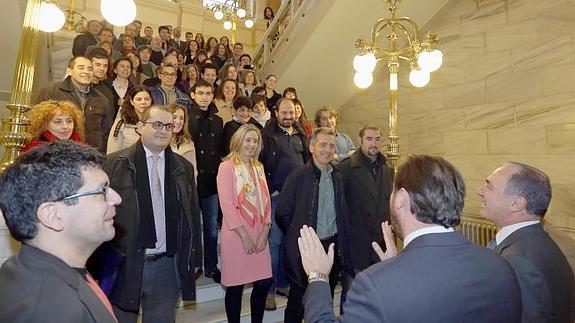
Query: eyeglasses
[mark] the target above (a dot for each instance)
(169, 74)
(100, 190)
(158, 125)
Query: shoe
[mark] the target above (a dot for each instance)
(216, 275)
(271, 303)
(283, 291)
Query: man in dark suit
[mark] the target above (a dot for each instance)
(516, 197)
(439, 277)
(56, 201)
(158, 223)
(367, 182)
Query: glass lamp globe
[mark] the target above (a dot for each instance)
(363, 79)
(430, 60)
(118, 12)
(418, 78)
(241, 13)
(219, 15)
(249, 23)
(227, 25)
(51, 18)
(364, 63)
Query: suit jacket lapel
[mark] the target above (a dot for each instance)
(93, 303)
(519, 234)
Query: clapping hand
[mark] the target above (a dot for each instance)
(391, 249)
(313, 256)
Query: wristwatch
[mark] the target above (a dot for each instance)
(315, 276)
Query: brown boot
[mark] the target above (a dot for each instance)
(271, 303)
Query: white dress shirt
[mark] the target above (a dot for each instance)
(507, 230)
(427, 230)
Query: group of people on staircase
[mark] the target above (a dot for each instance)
(116, 202)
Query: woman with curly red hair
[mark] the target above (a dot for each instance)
(54, 120)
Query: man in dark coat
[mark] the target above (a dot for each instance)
(77, 88)
(285, 148)
(312, 195)
(368, 183)
(206, 129)
(516, 197)
(158, 223)
(438, 277)
(86, 39)
(56, 201)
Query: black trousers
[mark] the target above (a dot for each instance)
(160, 294)
(294, 311)
(233, 301)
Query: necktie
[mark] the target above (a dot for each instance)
(98, 291)
(158, 206)
(492, 244)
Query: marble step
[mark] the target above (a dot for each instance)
(209, 309)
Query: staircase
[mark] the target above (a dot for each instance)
(210, 307)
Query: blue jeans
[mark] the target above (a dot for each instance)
(209, 206)
(276, 249)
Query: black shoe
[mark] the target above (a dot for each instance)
(216, 275)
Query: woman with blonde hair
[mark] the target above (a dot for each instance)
(246, 209)
(54, 120)
(123, 133)
(182, 143)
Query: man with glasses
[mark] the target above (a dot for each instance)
(56, 201)
(166, 92)
(158, 224)
(207, 130)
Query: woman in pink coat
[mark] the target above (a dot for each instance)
(245, 203)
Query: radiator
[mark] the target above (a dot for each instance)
(477, 230)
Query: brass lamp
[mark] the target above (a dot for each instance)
(403, 43)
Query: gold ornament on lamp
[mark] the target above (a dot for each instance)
(403, 43)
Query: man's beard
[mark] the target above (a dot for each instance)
(283, 123)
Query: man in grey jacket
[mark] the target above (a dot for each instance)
(56, 201)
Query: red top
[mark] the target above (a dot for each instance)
(45, 137)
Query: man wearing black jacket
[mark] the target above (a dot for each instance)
(206, 129)
(285, 148)
(312, 195)
(157, 224)
(368, 184)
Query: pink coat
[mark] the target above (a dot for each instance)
(239, 268)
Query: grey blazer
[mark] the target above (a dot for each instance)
(544, 275)
(36, 286)
(437, 278)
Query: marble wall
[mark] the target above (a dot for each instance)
(506, 91)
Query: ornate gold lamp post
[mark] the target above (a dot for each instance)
(14, 136)
(394, 39)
